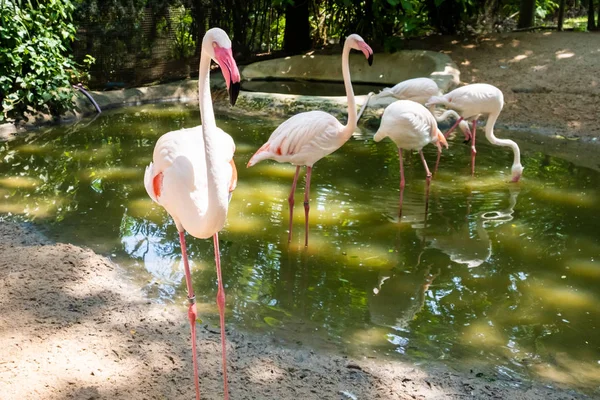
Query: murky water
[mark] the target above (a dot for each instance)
(502, 276)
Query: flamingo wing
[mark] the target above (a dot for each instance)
(302, 139)
(408, 124)
(417, 89)
(177, 177)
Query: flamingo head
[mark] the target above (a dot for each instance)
(517, 171)
(358, 43)
(217, 44)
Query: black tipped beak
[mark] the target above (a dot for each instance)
(370, 59)
(234, 91)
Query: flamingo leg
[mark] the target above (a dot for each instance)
(291, 202)
(473, 150)
(307, 204)
(192, 312)
(402, 182)
(221, 305)
(428, 180)
(453, 127)
(439, 155)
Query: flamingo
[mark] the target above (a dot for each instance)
(307, 137)
(193, 174)
(411, 126)
(472, 101)
(419, 90)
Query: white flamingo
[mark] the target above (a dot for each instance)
(410, 126)
(193, 174)
(307, 137)
(419, 90)
(472, 101)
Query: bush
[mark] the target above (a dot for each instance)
(36, 68)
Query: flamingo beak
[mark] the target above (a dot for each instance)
(231, 74)
(442, 139)
(367, 51)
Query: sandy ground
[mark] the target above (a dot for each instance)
(72, 326)
(550, 80)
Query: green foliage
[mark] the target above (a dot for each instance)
(36, 68)
(113, 33)
(184, 44)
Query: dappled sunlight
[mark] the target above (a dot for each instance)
(96, 154)
(567, 197)
(145, 208)
(483, 334)
(563, 297)
(113, 173)
(33, 148)
(247, 225)
(562, 54)
(276, 170)
(587, 269)
(567, 370)
(35, 208)
(19, 182)
(264, 371)
(375, 336)
(368, 281)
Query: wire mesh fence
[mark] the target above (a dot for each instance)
(135, 46)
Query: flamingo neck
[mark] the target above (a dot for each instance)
(207, 114)
(445, 115)
(489, 134)
(352, 117)
(217, 188)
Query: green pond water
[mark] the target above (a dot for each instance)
(500, 277)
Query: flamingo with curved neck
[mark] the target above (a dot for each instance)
(472, 101)
(192, 176)
(307, 137)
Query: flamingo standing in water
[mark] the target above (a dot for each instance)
(411, 126)
(307, 137)
(193, 174)
(420, 90)
(472, 101)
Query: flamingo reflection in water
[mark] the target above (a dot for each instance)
(400, 294)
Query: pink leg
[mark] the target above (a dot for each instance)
(428, 179)
(306, 204)
(291, 202)
(453, 127)
(402, 182)
(192, 312)
(473, 151)
(439, 155)
(221, 305)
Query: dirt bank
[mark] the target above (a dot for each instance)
(72, 326)
(550, 80)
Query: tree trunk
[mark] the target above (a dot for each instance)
(591, 26)
(296, 37)
(489, 13)
(561, 14)
(526, 14)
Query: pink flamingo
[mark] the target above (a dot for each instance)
(472, 101)
(307, 137)
(411, 126)
(420, 90)
(193, 174)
